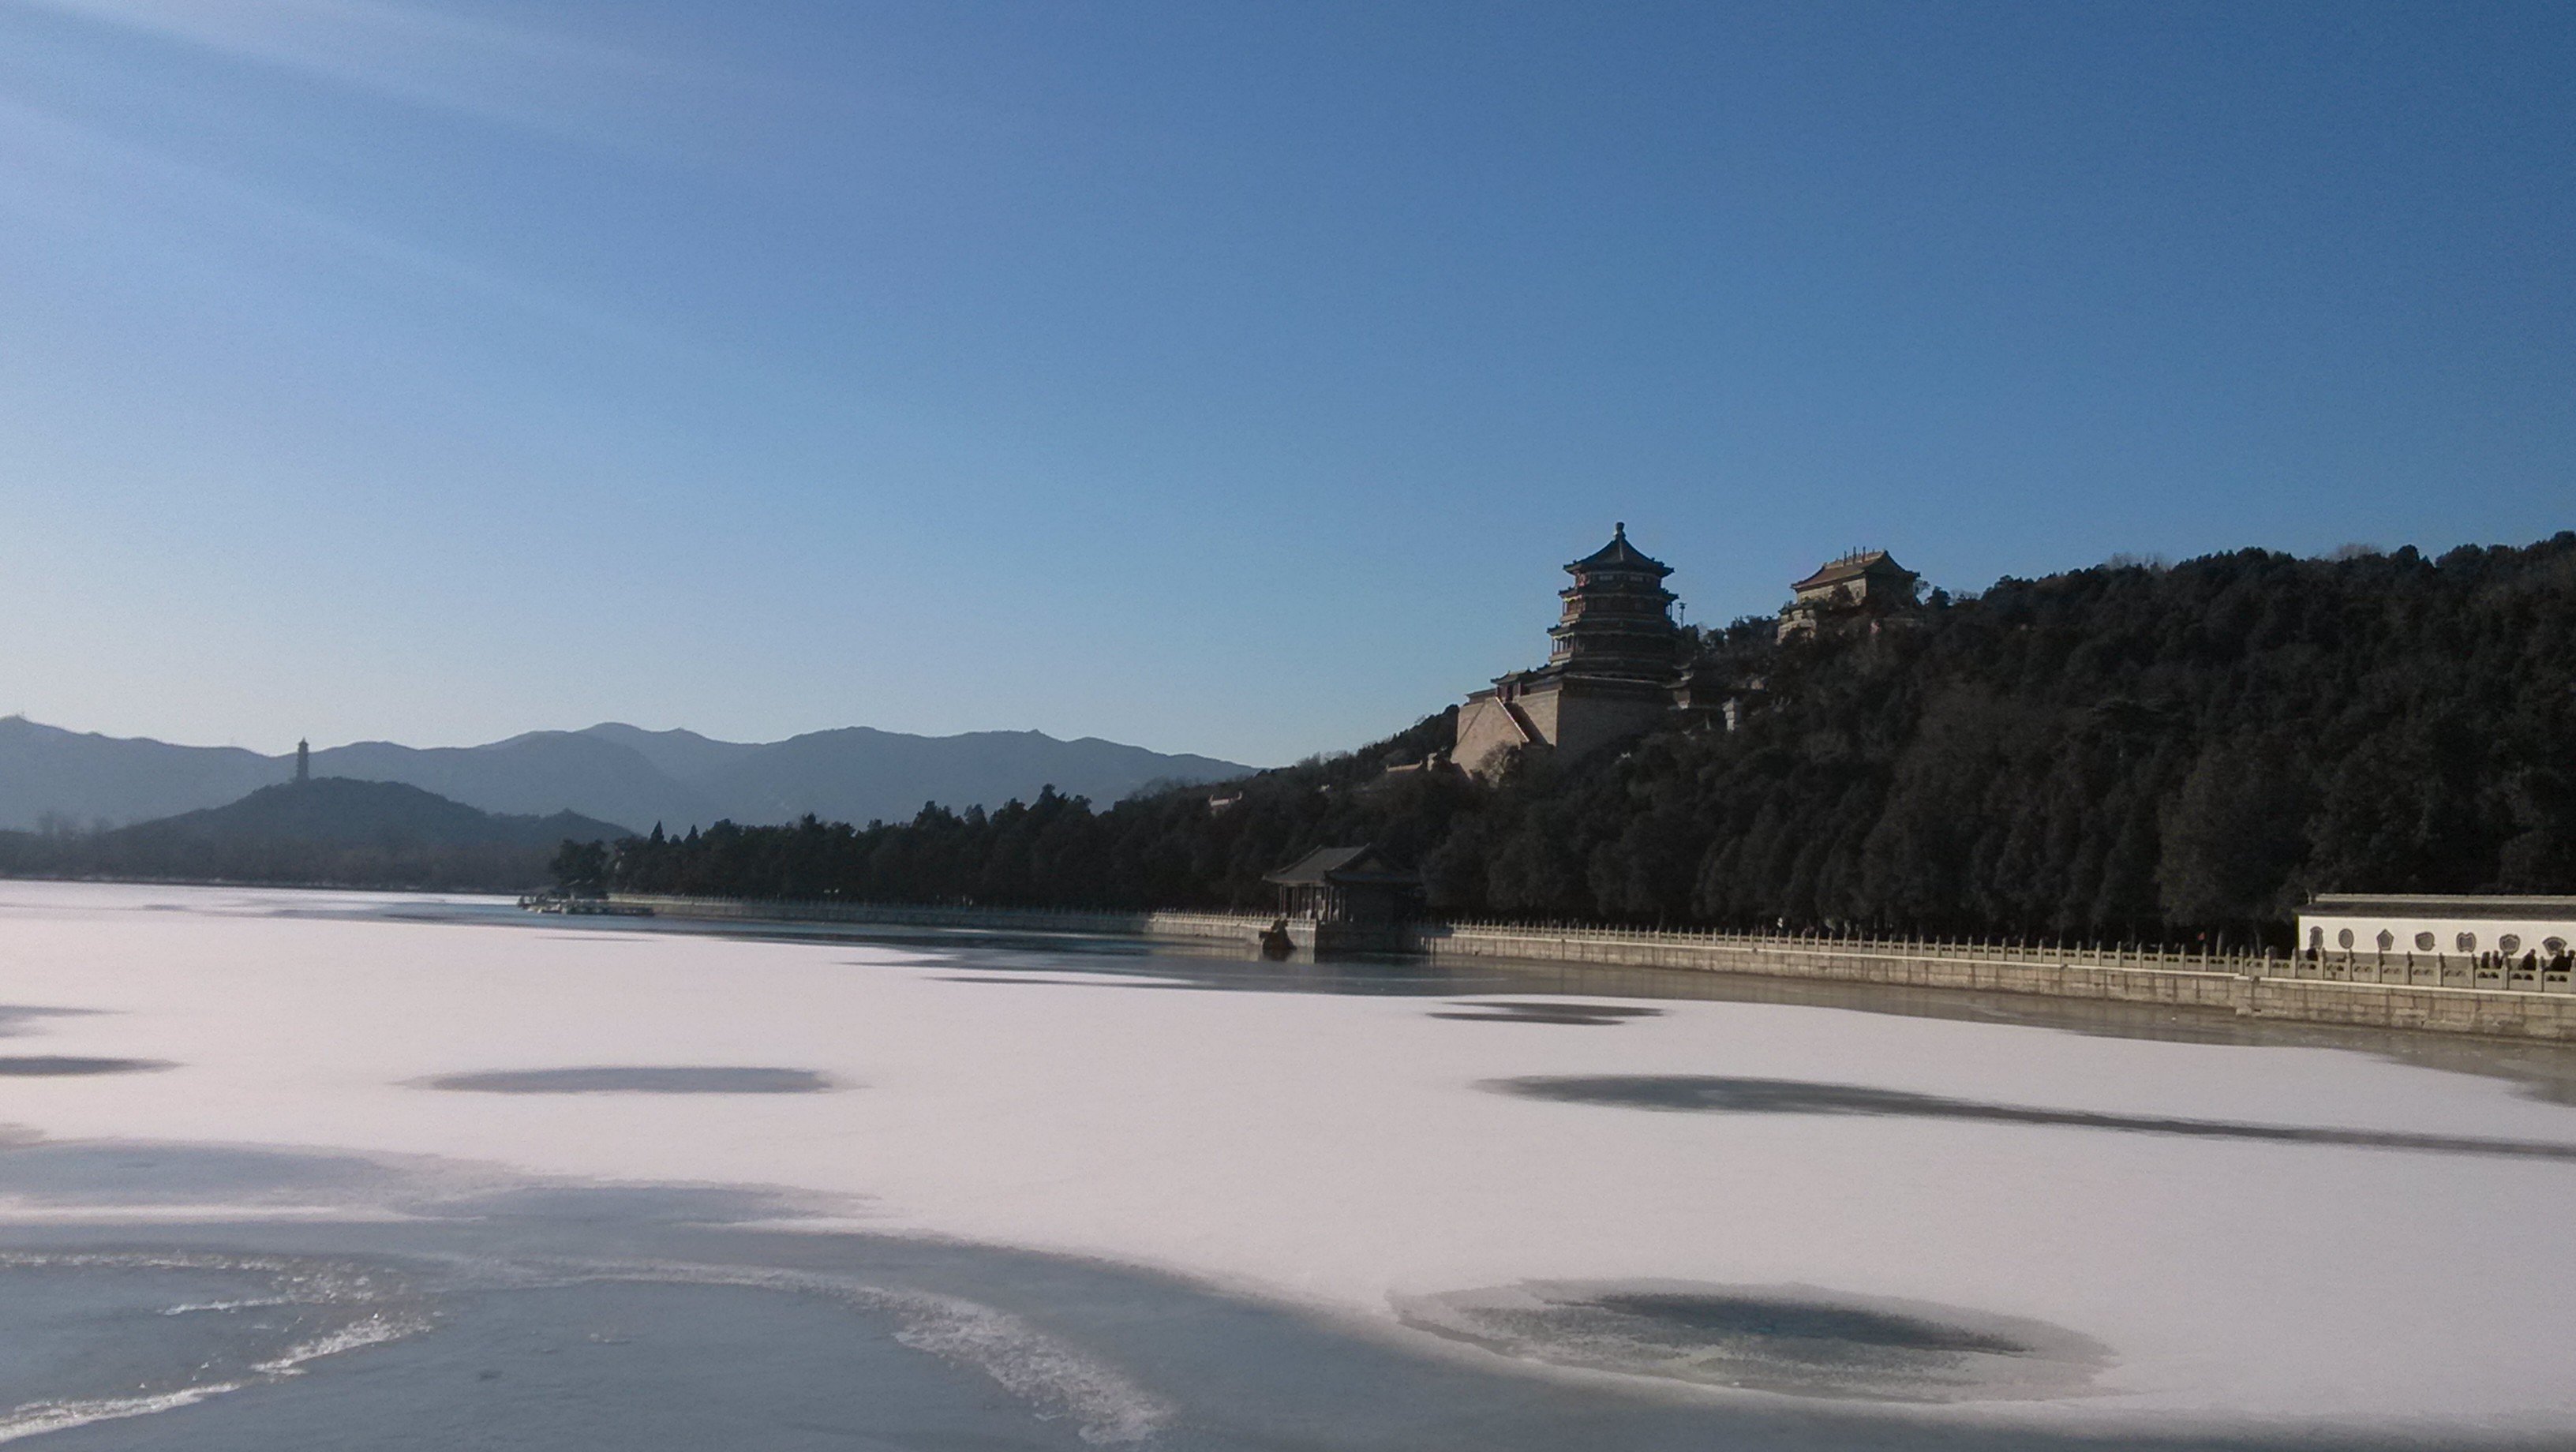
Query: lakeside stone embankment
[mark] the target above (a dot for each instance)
(2367, 990)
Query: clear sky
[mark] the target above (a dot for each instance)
(1217, 377)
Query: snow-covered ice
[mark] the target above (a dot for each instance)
(1351, 1153)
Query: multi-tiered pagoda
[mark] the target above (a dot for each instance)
(1617, 619)
(1610, 676)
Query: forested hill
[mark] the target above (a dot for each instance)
(329, 830)
(2123, 750)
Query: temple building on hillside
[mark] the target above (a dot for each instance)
(1621, 667)
(1611, 675)
(1852, 595)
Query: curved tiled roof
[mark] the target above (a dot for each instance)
(1618, 554)
(1853, 567)
(1339, 867)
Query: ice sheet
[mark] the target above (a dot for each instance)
(1338, 1149)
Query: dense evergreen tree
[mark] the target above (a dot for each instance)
(2129, 750)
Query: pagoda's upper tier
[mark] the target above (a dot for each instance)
(1618, 557)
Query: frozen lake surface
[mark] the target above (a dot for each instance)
(306, 1169)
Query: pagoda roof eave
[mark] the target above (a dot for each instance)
(1618, 554)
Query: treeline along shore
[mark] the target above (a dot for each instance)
(2132, 751)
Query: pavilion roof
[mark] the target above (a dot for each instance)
(1338, 867)
(1855, 566)
(1618, 554)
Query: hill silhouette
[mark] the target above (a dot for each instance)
(330, 830)
(343, 811)
(50, 777)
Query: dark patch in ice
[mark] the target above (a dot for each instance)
(1567, 1011)
(1701, 1316)
(111, 1174)
(55, 1066)
(14, 1015)
(92, 1172)
(639, 1079)
(1711, 1094)
(1795, 1339)
(640, 1204)
(1031, 982)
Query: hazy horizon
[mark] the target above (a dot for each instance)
(288, 751)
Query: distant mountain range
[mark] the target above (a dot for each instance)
(327, 830)
(612, 772)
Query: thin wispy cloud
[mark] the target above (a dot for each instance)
(78, 178)
(494, 72)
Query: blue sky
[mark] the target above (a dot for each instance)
(1222, 378)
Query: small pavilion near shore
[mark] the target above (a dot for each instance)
(1348, 887)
